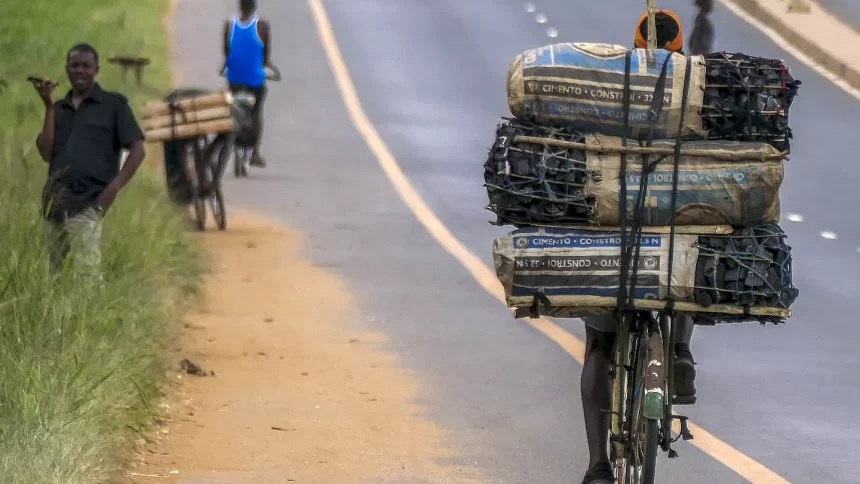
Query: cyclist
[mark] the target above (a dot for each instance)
(596, 383)
(247, 49)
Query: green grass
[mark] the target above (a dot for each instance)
(81, 367)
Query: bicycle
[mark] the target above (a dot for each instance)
(204, 176)
(205, 182)
(642, 396)
(243, 150)
(195, 152)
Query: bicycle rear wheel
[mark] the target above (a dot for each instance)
(194, 156)
(643, 430)
(652, 442)
(217, 200)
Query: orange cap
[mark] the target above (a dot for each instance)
(674, 45)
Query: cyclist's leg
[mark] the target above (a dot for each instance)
(260, 95)
(685, 369)
(596, 388)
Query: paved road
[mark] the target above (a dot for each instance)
(430, 76)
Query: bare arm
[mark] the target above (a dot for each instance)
(130, 137)
(45, 141)
(265, 31)
(226, 40)
(136, 155)
(225, 46)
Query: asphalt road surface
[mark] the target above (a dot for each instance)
(430, 75)
(847, 10)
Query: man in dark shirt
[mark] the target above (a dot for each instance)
(81, 140)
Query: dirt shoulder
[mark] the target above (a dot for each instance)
(298, 393)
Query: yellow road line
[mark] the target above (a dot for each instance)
(730, 457)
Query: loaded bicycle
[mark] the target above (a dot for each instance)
(197, 158)
(244, 140)
(593, 237)
(192, 172)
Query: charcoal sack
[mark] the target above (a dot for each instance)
(582, 85)
(748, 99)
(711, 191)
(533, 184)
(731, 96)
(576, 273)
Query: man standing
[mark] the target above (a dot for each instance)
(246, 54)
(82, 137)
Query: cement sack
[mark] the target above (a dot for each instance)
(530, 184)
(710, 192)
(581, 85)
(567, 265)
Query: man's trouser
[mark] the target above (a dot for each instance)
(78, 236)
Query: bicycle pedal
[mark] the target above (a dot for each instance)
(685, 430)
(685, 400)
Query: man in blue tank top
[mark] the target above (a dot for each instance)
(246, 54)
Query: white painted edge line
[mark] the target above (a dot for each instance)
(785, 45)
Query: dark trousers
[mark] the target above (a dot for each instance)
(259, 92)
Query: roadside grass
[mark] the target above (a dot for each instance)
(81, 366)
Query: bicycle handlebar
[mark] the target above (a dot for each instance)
(274, 76)
(276, 73)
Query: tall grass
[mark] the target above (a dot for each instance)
(80, 365)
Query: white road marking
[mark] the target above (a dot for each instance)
(530, 7)
(795, 217)
(785, 45)
(829, 235)
(540, 18)
(552, 32)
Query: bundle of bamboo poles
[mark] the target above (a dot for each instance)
(188, 118)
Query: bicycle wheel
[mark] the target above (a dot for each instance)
(237, 162)
(242, 161)
(652, 442)
(193, 156)
(644, 429)
(217, 201)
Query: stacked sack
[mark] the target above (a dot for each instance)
(567, 171)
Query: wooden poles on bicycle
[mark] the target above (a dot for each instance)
(188, 118)
(652, 23)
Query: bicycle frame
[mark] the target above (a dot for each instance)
(657, 383)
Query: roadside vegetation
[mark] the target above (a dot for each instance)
(81, 367)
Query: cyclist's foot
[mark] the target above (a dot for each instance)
(257, 160)
(600, 473)
(685, 375)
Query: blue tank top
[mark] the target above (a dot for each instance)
(245, 60)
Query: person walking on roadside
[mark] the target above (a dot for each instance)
(702, 36)
(82, 137)
(246, 54)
